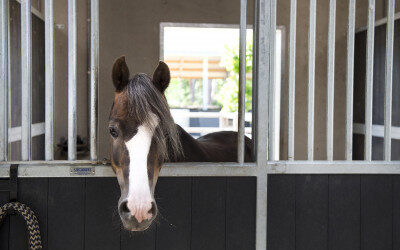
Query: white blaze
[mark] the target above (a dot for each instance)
(139, 195)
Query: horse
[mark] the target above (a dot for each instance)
(144, 135)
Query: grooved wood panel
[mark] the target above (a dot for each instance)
(282, 212)
(208, 213)
(5, 224)
(304, 212)
(66, 213)
(174, 203)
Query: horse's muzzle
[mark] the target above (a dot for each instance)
(134, 222)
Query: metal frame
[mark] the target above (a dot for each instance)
(26, 79)
(330, 100)
(292, 78)
(34, 11)
(350, 80)
(311, 79)
(263, 76)
(4, 68)
(72, 78)
(369, 80)
(94, 76)
(35, 169)
(389, 80)
(49, 54)
(242, 80)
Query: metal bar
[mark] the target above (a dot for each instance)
(254, 80)
(34, 11)
(389, 80)
(331, 80)
(379, 22)
(377, 131)
(4, 80)
(94, 76)
(14, 133)
(62, 169)
(350, 80)
(292, 78)
(311, 79)
(369, 81)
(334, 167)
(35, 169)
(72, 73)
(242, 80)
(49, 53)
(202, 25)
(263, 79)
(273, 134)
(26, 79)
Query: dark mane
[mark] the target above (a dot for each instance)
(144, 99)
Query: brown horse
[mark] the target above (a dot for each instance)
(144, 136)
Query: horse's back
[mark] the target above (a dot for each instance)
(222, 146)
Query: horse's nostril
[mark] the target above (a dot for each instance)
(123, 207)
(153, 209)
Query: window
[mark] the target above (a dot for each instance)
(204, 59)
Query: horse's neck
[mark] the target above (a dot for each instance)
(193, 151)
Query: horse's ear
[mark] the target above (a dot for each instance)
(120, 74)
(161, 76)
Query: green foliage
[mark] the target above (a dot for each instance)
(229, 91)
(178, 94)
(226, 91)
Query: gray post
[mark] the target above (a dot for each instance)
(330, 100)
(94, 76)
(72, 60)
(254, 79)
(292, 78)
(263, 79)
(369, 80)
(311, 80)
(242, 80)
(350, 80)
(4, 80)
(389, 81)
(49, 68)
(273, 133)
(26, 79)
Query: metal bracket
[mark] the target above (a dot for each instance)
(13, 184)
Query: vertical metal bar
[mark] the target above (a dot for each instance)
(94, 76)
(311, 80)
(49, 52)
(389, 80)
(350, 80)
(331, 80)
(26, 79)
(242, 80)
(162, 27)
(4, 80)
(292, 78)
(273, 134)
(72, 60)
(263, 77)
(254, 79)
(369, 80)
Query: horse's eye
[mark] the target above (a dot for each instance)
(113, 132)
